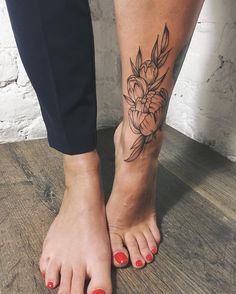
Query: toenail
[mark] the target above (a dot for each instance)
(154, 250)
(121, 258)
(99, 291)
(149, 257)
(139, 263)
(50, 285)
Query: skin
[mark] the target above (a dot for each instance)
(132, 228)
(77, 245)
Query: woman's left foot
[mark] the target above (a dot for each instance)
(131, 208)
(77, 244)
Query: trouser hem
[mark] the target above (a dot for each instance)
(82, 144)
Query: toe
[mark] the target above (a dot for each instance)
(78, 279)
(120, 254)
(94, 288)
(52, 274)
(134, 252)
(155, 231)
(144, 248)
(100, 282)
(152, 243)
(65, 282)
(43, 262)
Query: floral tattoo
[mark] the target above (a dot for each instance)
(147, 99)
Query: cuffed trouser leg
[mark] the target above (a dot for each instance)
(55, 42)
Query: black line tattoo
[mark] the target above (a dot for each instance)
(179, 61)
(147, 99)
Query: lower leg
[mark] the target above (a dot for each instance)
(55, 42)
(153, 36)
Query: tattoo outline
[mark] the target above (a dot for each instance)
(148, 101)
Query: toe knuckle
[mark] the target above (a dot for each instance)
(143, 247)
(132, 245)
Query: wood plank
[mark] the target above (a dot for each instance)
(10, 171)
(44, 168)
(204, 170)
(197, 254)
(27, 210)
(24, 222)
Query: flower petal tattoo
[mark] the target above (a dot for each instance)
(148, 101)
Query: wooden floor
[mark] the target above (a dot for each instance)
(196, 208)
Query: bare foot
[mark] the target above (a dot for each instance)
(77, 244)
(131, 207)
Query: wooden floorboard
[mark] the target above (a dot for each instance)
(196, 202)
(205, 171)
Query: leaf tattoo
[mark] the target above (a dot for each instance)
(148, 101)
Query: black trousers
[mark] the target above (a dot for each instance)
(55, 42)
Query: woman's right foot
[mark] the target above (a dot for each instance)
(77, 243)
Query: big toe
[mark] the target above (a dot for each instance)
(100, 282)
(120, 254)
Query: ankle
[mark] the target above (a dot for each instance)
(124, 138)
(80, 165)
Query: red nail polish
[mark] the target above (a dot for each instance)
(139, 263)
(121, 258)
(43, 274)
(154, 250)
(99, 291)
(50, 285)
(149, 257)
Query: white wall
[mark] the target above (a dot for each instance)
(203, 104)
